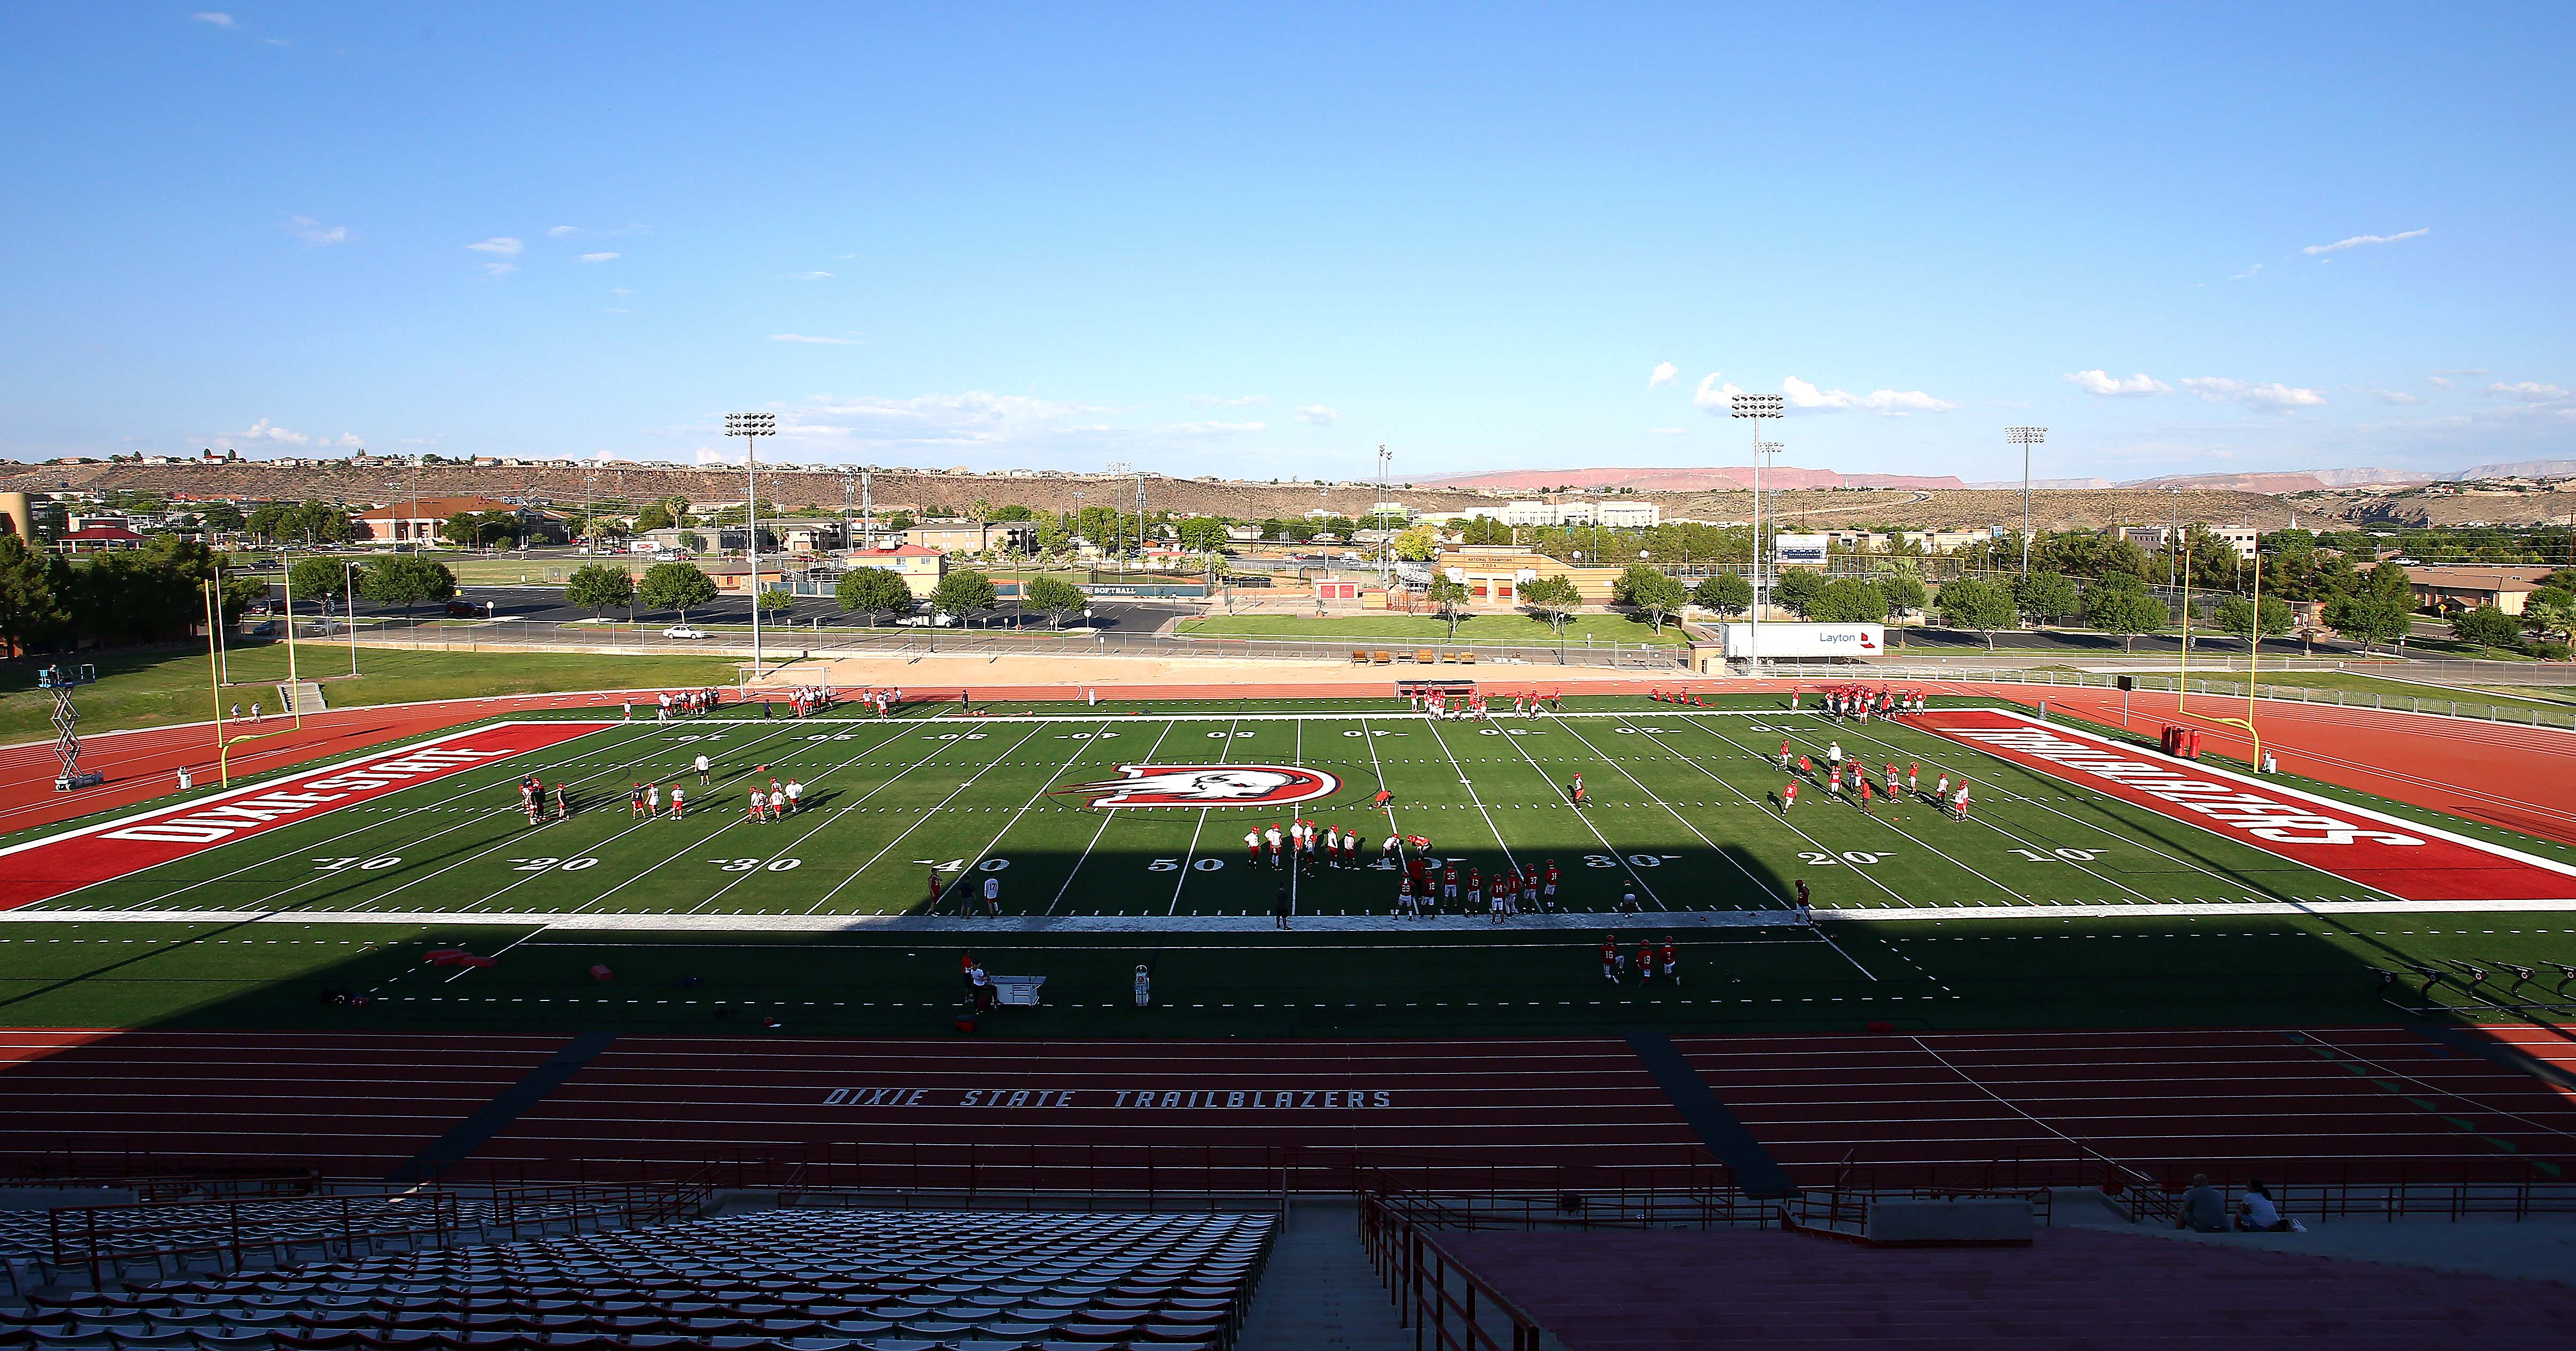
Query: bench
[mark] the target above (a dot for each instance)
(1466, 658)
(1384, 658)
(1359, 657)
(1426, 656)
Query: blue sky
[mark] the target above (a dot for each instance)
(1261, 242)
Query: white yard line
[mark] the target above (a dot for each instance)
(925, 817)
(361, 830)
(1107, 815)
(1585, 817)
(1182, 882)
(1470, 786)
(2126, 840)
(1752, 801)
(477, 906)
(821, 819)
(1989, 824)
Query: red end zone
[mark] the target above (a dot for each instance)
(43, 869)
(2400, 858)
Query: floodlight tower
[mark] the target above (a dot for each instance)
(1386, 536)
(1757, 407)
(750, 427)
(2025, 437)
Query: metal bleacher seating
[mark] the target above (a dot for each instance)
(799, 1279)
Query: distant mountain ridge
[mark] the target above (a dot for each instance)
(1716, 480)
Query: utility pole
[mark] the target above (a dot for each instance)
(2025, 437)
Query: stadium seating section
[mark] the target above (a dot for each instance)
(808, 1279)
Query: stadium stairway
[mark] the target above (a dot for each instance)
(1319, 1293)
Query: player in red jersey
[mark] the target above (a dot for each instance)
(1788, 797)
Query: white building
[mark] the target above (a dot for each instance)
(1630, 515)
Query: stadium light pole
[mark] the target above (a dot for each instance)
(1757, 407)
(750, 427)
(1386, 536)
(2025, 437)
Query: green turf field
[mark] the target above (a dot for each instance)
(713, 917)
(1685, 816)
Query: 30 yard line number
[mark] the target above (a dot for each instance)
(744, 865)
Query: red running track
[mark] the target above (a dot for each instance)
(2364, 1104)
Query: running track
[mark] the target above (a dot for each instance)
(2365, 1104)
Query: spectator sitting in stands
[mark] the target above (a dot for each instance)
(2257, 1213)
(2204, 1210)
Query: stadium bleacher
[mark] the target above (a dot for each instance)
(804, 1279)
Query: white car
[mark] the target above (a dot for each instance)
(683, 631)
(940, 621)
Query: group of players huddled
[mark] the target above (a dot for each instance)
(1424, 882)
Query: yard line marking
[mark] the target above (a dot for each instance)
(821, 819)
(434, 805)
(473, 908)
(1937, 850)
(1586, 818)
(1470, 786)
(2136, 841)
(1752, 801)
(1105, 818)
(925, 817)
(1369, 739)
(1183, 881)
(1080, 748)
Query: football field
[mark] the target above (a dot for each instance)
(1098, 813)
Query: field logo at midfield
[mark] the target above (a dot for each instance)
(1208, 786)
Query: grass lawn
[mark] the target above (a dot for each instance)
(151, 688)
(1519, 630)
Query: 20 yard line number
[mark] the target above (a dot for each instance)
(1858, 858)
(540, 865)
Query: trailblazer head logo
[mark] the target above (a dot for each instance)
(1208, 786)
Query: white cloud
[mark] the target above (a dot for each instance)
(2358, 240)
(809, 276)
(1216, 428)
(1888, 402)
(2112, 386)
(312, 231)
(807, 337)
(2393, 396)
(499, 269)
(560, 231)
(2526, 391)
(2253, 271)
(1716, 398)
(1666, 431)
(267, 433)
(1317, 415)
(597, 257)
(219, 20)
(2268, 397)
(2438, 381)
(500, 244)
(1662, 374)
(1221, 401)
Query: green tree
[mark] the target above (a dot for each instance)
(222, 517)
(1055, 535)
(2486, 626)
(1448, 597)
(2553, 620)
(599, 588)
(2121, 604)
(1725, 592)
(2046, 595)
(1797, 589)
(2237, 615)
(1974, 603)
(869, 592)
(963, 593)
(1553, 598)
(30, 606)
(1848, 601)
(1202, 534)
(692, 542)
(1904, 593)
(676, 586)
(1417, 544)
(2380, 610)
(1055, 597)
(773, 601)
(654, 516)
(407, 580)
(464, 528)
(1483, 529)
(1651, 592)
(318, 579)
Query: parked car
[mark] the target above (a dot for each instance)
(930, 621)
(466, 609)
(683, 631)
